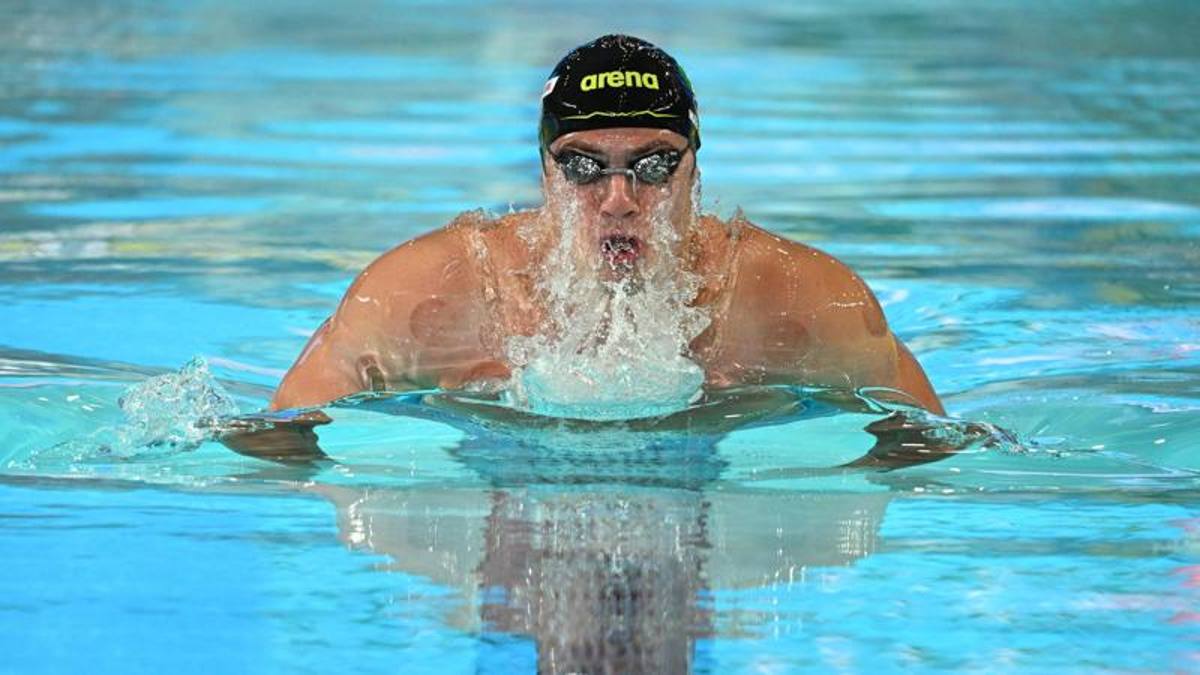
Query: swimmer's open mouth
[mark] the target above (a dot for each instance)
(620, 250)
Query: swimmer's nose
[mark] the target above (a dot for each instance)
(619, 199)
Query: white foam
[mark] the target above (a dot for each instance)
(612, 349)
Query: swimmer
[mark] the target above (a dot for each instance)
(619, 143)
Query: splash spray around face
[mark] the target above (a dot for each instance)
(618, 326)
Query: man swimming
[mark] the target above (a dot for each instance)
(461, 307)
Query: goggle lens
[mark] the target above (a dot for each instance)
(655, 168)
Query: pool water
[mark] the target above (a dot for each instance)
(1016, 180)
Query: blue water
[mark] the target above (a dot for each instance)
(1016, 180)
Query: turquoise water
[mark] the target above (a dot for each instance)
(1016, 180)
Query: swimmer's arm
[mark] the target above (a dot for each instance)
(884, 369)
(328, 368)
(911, 379)
(843, 340)
(369, 343)
(904, 437)
(322, 372)
(314, 379)
(882, 359)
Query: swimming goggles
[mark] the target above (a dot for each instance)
(655, 168)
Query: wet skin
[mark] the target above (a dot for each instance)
(436, 311)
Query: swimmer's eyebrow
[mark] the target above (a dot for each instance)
(583, 147)
(653, 146)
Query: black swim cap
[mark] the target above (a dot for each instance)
(618, 81)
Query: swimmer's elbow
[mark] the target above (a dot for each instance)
(307, 390)
(318, 376)
(912, 380)
(287, 397)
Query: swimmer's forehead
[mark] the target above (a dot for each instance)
(616, 142)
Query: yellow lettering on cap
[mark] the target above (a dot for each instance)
(619, 78)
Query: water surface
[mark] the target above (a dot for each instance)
(1016, 180)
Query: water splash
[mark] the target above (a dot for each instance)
(176, 409)
(165, 414)
(614, 348)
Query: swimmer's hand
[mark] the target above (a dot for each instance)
(914, 436)
(286, 437)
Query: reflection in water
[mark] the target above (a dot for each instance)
(601, 580)
(174, 165)
(604, 570)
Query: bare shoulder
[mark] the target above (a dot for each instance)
(798, 314)
(442, 261)
(786, 275)
(415, 317)
(437, 261)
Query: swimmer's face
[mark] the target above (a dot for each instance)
(619, 222)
